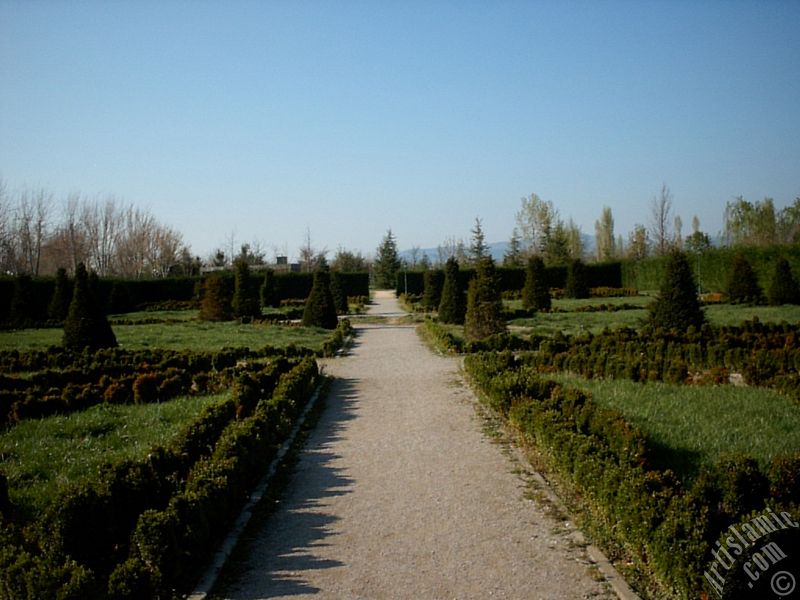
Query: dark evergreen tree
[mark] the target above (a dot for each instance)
(478, 248)
(451, 307)
(62, 295)
(783, 289)
(86, 325)
(484, 316)
(269, 290)
(22, 310)
(216, 302)
(339, 297)
(387, 264)
(245, 302)
(320, 309)
(577, 280)
(743, 287)
(677, 306)
(431, 296)
(535, 292)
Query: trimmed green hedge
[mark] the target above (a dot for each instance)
(712, 268)
(513, 279)
(146, 529)
(647, 514)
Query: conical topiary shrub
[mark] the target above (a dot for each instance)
(535, 292)
(677, 306)
(216, 303)
(743, 287)
(784, 288)
(451, 307)
(62, 296)
(484, 315)
(320, 310)
(86, 325)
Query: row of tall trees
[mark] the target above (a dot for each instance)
(38, 235)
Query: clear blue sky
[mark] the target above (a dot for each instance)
(353, 117)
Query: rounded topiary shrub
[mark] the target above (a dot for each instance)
(86, 325)
(677, 306)
(783, 289)
(535, 292)
(743, 287)
(484, 316)
(320, 309)
(451, 307)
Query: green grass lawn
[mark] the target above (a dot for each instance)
(573, 322)
(181, 335)
(693, 425)
(42, 457)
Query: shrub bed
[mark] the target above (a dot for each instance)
(643, 514)
(144, 529)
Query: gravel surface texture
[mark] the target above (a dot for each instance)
(398, 493)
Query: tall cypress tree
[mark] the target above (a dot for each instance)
(451, 306)
(86, 325)
(484, 315)
(320, 309)
(677, 306)
(535, 292)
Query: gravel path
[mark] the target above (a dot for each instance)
(399, 494)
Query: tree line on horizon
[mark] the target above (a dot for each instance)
(38, 236)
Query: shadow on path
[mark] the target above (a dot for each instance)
(285, 546)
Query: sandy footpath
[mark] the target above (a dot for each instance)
(398, 494)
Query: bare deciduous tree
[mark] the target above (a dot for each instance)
(660, 210)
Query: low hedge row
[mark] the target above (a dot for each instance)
(64, 381)
(169, 546)
(765, 355)
(441, 337)
(143, 529)
(643, 513)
